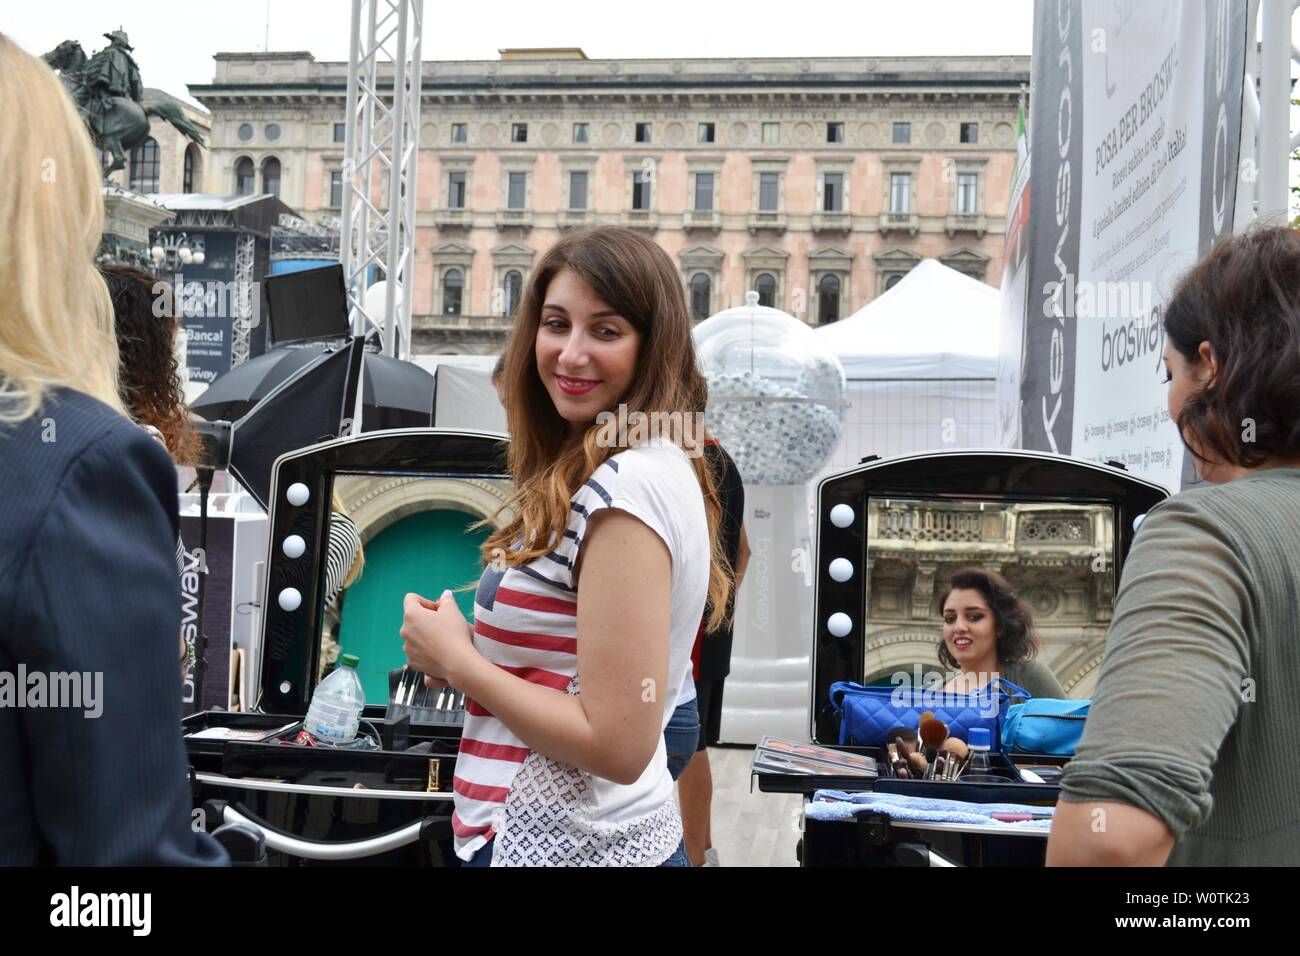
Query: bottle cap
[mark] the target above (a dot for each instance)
(351, 660)
(978, 737)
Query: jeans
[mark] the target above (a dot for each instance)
(682, 737)
(483, 856)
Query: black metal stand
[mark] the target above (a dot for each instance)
(200, 633)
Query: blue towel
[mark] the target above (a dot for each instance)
(838, 805)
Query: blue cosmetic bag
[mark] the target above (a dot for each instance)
(1044, 726)
(867, 714)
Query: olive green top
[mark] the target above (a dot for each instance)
(1197, 701)
(1035, 677)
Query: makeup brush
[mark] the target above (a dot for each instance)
(933, 734)
(925, 715)
(897, 762)
(918, 764)
(955, 751)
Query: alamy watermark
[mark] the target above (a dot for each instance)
(626, 429)
(77, 690)
(925, 689)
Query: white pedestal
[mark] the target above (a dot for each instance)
(768, 690)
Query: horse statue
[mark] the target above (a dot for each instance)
(108, 94)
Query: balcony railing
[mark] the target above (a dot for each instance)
(833, 221)
(514, 219)
(771, 221)
(908, 222)
(641, 219)
(453, 218)
(572, 218)
(709, 220)
(966, 222)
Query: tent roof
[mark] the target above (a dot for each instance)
(935, 323)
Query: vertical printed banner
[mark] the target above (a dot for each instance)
(1145, 177)
(1014, 290)
(217, 602)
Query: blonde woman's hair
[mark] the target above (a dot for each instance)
(56, 321)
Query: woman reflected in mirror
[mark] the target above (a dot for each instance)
(988, 632)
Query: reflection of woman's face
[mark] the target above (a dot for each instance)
(969, 629)
(586, 352)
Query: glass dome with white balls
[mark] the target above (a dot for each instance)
(776, 392)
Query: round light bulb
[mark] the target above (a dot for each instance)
(1137, 522)
(158, 254)
(298, 494)
(290, 599)
(294, 546)
(199, 257)
(186, 255)
(842, 516)
(839, 624)
(841, 570)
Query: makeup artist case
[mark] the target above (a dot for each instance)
(413, 495)
(890, 533)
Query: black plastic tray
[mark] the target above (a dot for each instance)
(775, 782)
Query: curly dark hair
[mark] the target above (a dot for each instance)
(148, 374)
(1244, 299)
(1017, 642)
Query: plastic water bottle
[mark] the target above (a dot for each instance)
(978, 743)
(335, 710)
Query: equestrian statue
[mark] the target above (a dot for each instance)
(108, 93)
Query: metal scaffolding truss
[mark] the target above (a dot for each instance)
(241, 325)
(381, 152)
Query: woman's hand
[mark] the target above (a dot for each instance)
(436, 638)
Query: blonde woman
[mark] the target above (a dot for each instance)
(88, 596)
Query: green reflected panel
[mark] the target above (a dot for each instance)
(426, 552)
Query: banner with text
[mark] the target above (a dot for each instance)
(1135, 133)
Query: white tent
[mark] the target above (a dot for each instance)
(921, 362)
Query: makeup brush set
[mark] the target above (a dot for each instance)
(424, 705)
(929, 753)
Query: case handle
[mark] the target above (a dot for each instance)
(282, 842)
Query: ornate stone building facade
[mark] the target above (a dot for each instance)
(817, 182)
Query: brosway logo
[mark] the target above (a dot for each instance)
(103, 909)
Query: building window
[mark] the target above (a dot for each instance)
(580, 132)
(641, 190)
(771, 133)
(340, 132)
(902, 132)
(187, 177)
(769, 192)
(144, 167)
(643, 132)
(833, 192)
(456, 189)
(900, 192)
(834, 132)
(518, 132)
(514, 290)
(460, 132)
(892, 281)
(970, 132)
(245, 132)
(336, 189)
(701, 287)
(453, 284)
(271, 176)
(967, 193)
(578, 189)
(765, 286)
(708, 131)
(244, 175)
(517, 190)
(272, 132)
(704, 192)
(828, 299)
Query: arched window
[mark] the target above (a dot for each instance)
(191, 161)
(453, 284)
(144, 167)
(892, 281)
(701, 287)
(244, 176)
(828, 299)
(765, 286)
(271, 176)
(514, 290)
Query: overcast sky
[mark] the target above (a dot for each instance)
(174, 42)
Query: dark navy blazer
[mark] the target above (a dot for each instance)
(88, 584)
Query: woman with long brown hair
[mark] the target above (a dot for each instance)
(588, 608)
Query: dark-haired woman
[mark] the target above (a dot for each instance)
(989, 632)
(1185, 757)
(587, 611)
